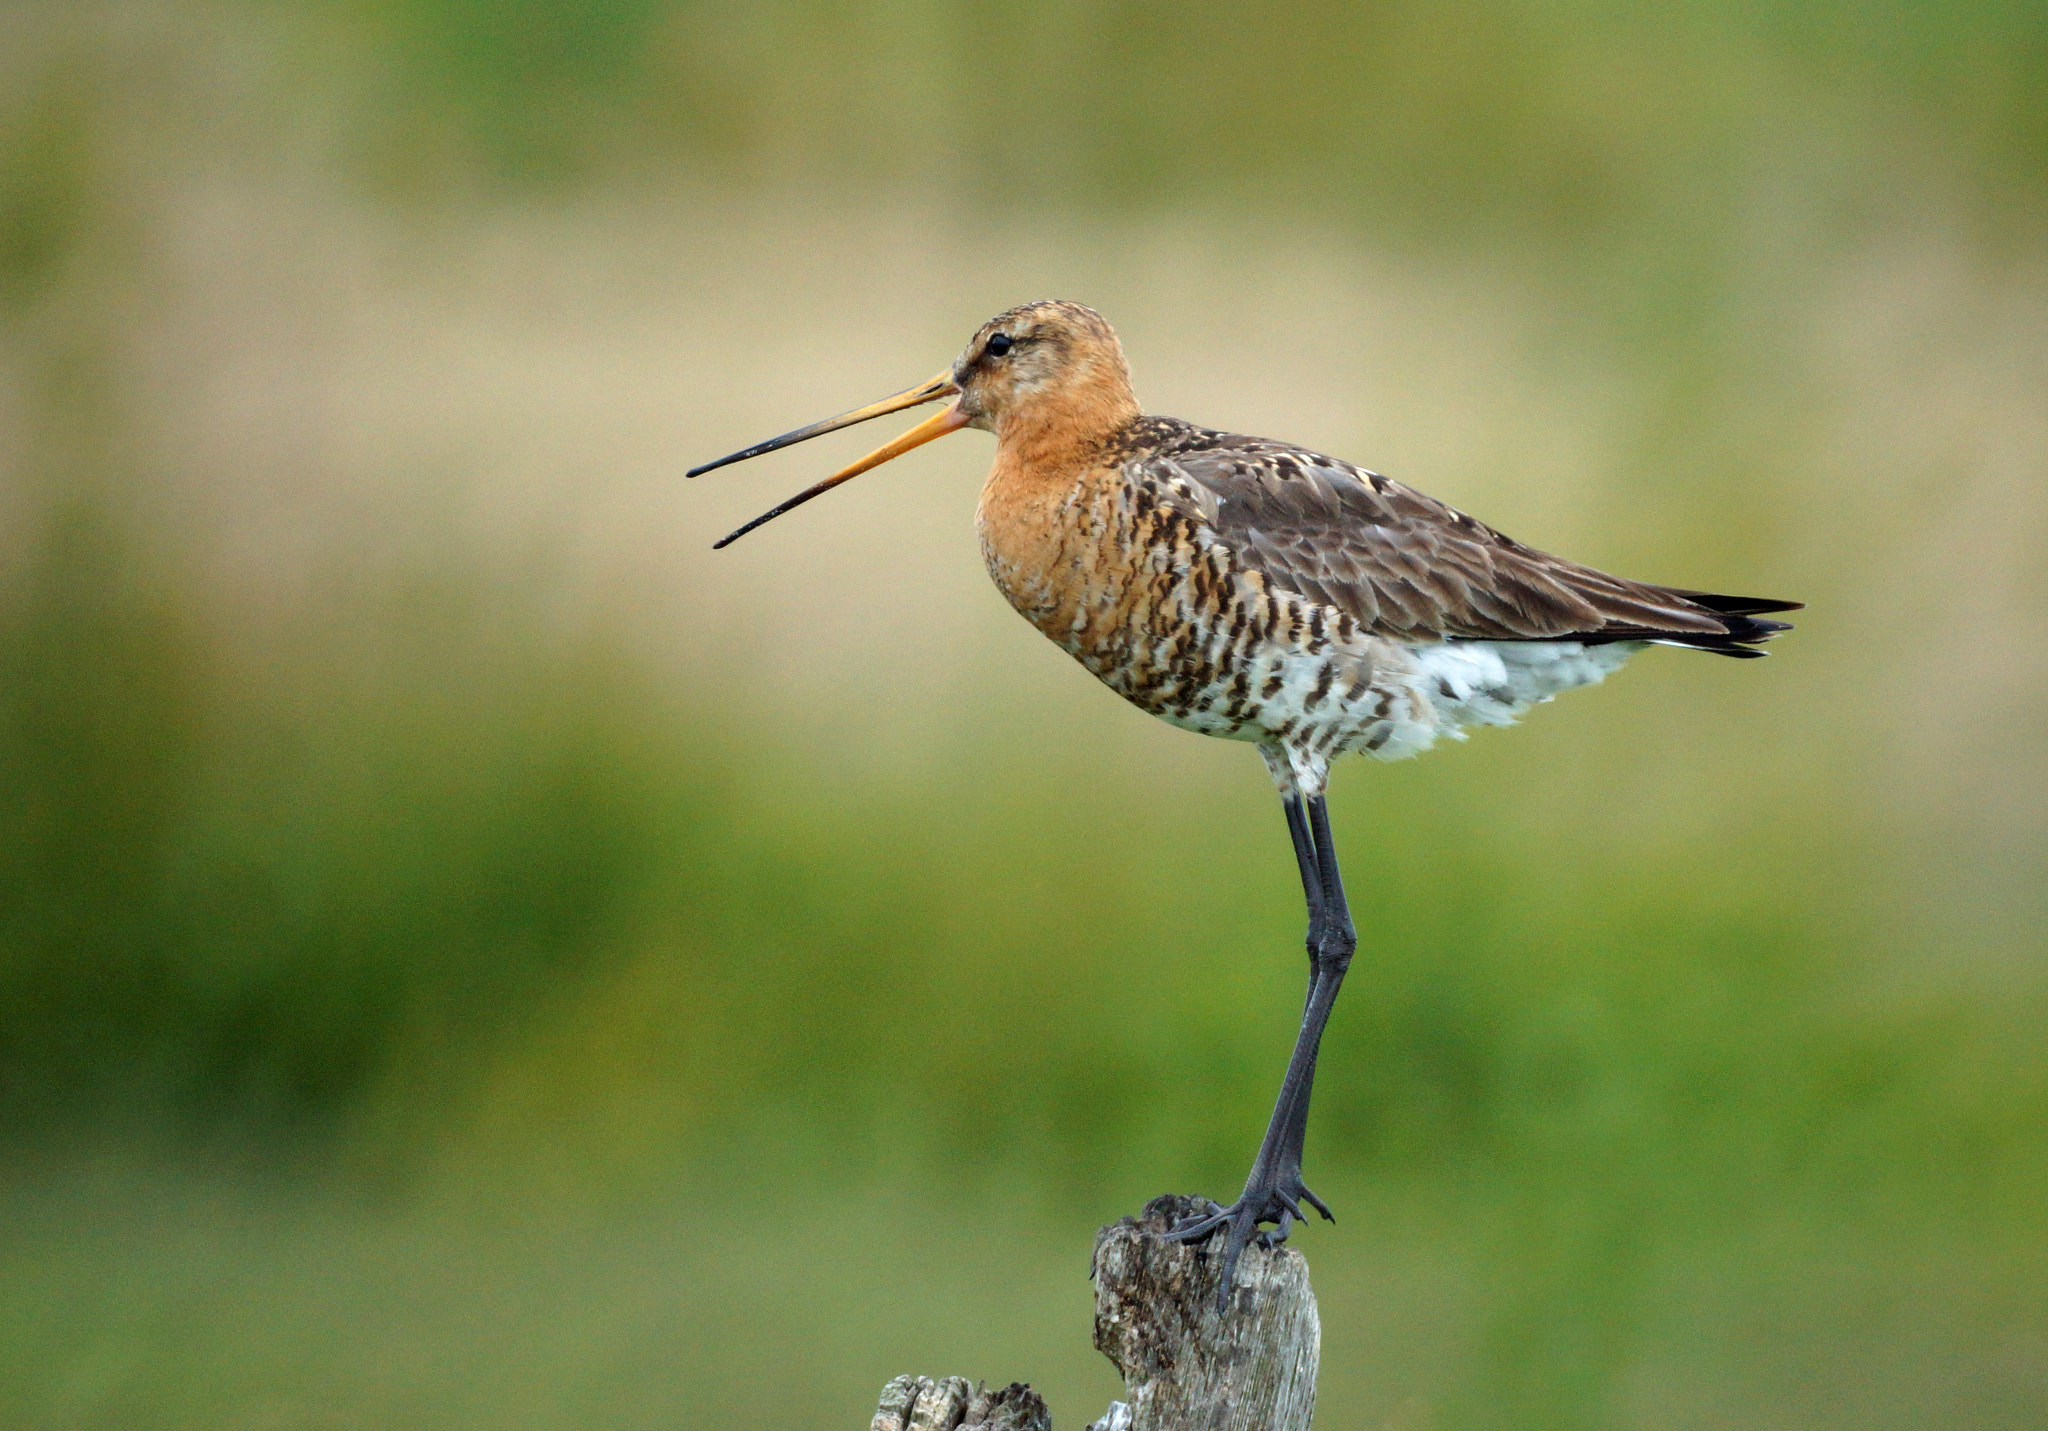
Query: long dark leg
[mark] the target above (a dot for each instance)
(1274, 1190)
(1307, 847)
(1328, 930)
(1305, 860)
(1329, 920)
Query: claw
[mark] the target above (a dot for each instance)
(1318, 1204)
(1280, 1205)
(1272, 1237)
(1240, 1233)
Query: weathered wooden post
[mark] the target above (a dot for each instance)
(1185, 1365)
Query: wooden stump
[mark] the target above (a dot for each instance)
(1186, 1367)
(1251, 1367)
(918, 1403)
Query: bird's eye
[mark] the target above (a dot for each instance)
(998, 345)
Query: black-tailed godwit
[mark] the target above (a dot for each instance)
(1261, 592)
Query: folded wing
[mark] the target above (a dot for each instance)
(1405, 565)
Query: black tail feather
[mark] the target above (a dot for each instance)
(1742, 631)
(1739, 605)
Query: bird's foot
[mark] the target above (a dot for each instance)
(1269, 1197)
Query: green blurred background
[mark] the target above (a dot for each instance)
(472, 957)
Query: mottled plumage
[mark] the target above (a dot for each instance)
(1402, 564)
(1258, 591)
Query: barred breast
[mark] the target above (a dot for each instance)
(1155, 607)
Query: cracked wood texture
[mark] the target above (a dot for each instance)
(918, 1403)
(1185, 1366)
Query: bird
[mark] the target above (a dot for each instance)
(1258, 591)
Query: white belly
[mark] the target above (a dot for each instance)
(1467, 683)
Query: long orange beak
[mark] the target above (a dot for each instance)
(950, 420)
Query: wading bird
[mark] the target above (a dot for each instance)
(1262, 592)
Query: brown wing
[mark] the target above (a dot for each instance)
(1406, 565)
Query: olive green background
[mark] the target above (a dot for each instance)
(470, 956)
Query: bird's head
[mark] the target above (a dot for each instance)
(1044, 364)
(1042, 373)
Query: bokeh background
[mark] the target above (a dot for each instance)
(472, 957)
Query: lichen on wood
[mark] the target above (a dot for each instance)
(951, 1403)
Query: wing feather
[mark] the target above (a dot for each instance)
(1403, 564)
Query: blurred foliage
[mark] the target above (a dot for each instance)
(424, 895)
(1623, 125)
(234, 899)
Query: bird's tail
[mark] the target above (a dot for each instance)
(1742, 633)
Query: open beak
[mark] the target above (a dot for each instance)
(950, 420)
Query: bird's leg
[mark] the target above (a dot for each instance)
(1311, 880)
(1332, 947)
(1331, 940)
(1315, 879)
(1274, 1191)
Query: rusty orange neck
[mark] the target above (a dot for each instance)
(1062, 432)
